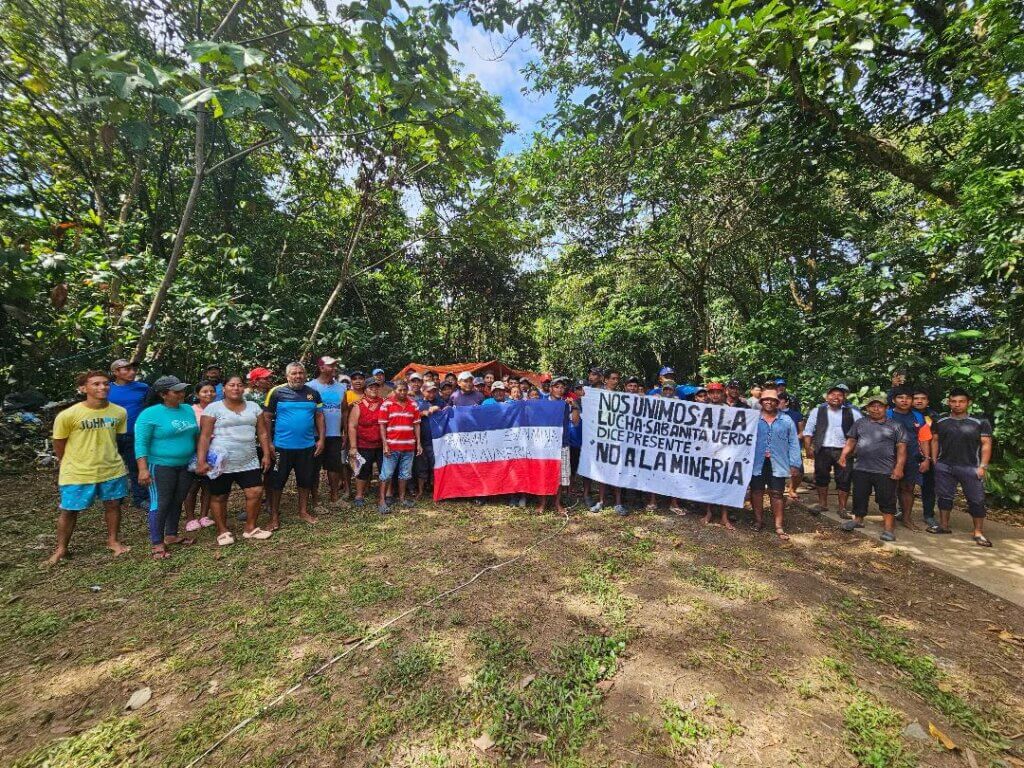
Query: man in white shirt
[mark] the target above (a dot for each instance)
(824, 437)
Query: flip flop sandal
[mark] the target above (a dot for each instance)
(162, 554)
(981, 541)
(945, 530)
(933, 529)
(225, 539)
(758, 527)
(192, 525)
(781, 533)
(258, 534)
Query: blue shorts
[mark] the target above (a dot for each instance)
(397, 460)
(76, 497)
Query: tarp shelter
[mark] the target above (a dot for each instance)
(498, 368)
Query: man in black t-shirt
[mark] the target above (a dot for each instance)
(961, 450)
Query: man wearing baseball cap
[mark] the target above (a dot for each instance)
(429, 402)
(332, 394)
(415, 385)
(878, 446)
(559, 386)
(385, 389)
(130, 394)
(499, 394)
(666, 373)
(825, 435)
(545, 386)
(716, 393)
(732, 395)
(466, 394)
(259, 381)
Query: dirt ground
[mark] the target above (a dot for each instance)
(649, 640)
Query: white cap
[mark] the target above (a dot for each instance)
(465, 375)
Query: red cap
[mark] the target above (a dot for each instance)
(259, 373)
(545, 377)
(714, 385)
(326, 360)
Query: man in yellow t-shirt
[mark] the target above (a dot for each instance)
(85, 442)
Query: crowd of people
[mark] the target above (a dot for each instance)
(151, 443)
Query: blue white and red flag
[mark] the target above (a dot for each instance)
(487, 450)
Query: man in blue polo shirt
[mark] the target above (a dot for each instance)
(130, 395)
(294, 413)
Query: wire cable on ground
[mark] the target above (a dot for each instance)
(368, 637)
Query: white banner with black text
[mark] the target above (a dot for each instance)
(668, 446)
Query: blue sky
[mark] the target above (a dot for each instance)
(500, 72)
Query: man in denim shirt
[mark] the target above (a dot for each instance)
(776, 458)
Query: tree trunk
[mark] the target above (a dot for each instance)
(149, 328)
(342, 279)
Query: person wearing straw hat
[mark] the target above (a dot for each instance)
(777, 448)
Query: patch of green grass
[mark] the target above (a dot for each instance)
(713, 580)
(872, 734)
(368, 590)
(685, 729)
(405, 694)
(889, 645)
(113, 743)
(597, 582)
(210, 721)
(555, 714)
(28, 623)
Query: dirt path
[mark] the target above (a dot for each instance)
(645, 641)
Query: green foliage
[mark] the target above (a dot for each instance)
(872, 732)
(888, 645)
(113, 743)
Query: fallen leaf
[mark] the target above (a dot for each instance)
(970, 758)
(475, 539)
(605, 685)
(139, 699)
(527, 679)
(483, 742)
(942, 738)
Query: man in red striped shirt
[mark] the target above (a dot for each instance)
(399, 421)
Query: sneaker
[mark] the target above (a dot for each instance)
(887, 536)
(358, 502)
(850, 525)
(595, 508)
(383, 509)
(899, 515)
(621, 510)
(931, 522)
(206, 522)
(407, 503)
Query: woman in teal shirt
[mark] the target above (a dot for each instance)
(165, 442)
